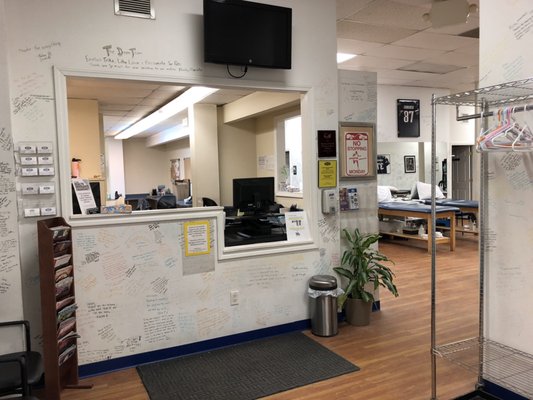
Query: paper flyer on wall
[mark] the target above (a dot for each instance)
(297, 226)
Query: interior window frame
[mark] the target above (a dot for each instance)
(64, 198)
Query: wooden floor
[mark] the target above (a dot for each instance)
(393, 352)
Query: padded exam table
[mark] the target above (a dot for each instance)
(464, 206)
(423, 211)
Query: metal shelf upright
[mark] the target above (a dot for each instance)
(493, 361)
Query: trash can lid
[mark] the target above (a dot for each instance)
(323, 282)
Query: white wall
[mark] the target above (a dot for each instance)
(505, 55)
(449, 130)
(73, 35)
(237, 156)
(154, 170)
(204, 153)
(10, 274)
(114, 160)
(84, 138)
(387, 121)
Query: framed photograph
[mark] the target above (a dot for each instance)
(383, 164)
(357, 150)
(408, 117)
(409, 164)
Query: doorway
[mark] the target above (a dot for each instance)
(461, 169)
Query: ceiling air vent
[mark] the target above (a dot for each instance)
(135, 8)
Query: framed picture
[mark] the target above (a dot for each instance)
(408, 114)
(357, 150)
(327, 143)
(383, 164)
(409, 164)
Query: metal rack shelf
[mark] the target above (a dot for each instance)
(501, 364)
(504, 94)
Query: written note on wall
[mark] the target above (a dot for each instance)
(9, 261)
(129, 280)
(110, 57)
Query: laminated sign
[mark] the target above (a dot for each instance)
(357, 149)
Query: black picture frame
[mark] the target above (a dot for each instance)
(409, 164)
(327, 143)
(383, 164)
(408, 117)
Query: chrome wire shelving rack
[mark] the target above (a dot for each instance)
(492, 361)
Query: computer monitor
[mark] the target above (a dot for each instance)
(253, 194)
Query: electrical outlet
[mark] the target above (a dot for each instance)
(233, 297)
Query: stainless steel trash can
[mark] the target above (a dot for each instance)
(323, 305)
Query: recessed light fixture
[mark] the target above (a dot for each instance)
(342, 57)
(180, 103)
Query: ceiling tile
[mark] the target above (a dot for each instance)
(455, 58)
(426, 4)
(375, 62)
(471, 23)
(390, 13)
(394, 82)
(465, 75)
(371, 33)
(345, 8)
(356, 46)
(470, 49)
(403, 53)
(406, 75)
(426, 40)
(430, 68)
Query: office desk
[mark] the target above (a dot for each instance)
(254, 229)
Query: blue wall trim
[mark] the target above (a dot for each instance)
(502, 393)
(115, 364)
(158, 355)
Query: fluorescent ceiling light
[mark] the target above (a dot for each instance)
(342, 57)
(180, 103)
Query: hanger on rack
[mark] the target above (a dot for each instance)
(507, 135)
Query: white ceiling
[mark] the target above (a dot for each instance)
(124, 102)
(389, 37)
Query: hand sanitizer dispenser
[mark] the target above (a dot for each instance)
(329, 201)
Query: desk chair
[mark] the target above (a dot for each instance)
(207, 202)
(21, 370)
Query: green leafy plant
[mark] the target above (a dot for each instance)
(361, 264)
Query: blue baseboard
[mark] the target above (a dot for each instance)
(158, 355)
(500, 392)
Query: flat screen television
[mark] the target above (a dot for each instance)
(245, 33)
(253, 194)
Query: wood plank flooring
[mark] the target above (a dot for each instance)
(393, 352)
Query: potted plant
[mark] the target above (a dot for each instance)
(361, 265)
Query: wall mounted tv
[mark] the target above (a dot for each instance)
(245, 33)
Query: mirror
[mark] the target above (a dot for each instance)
(402, 164)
